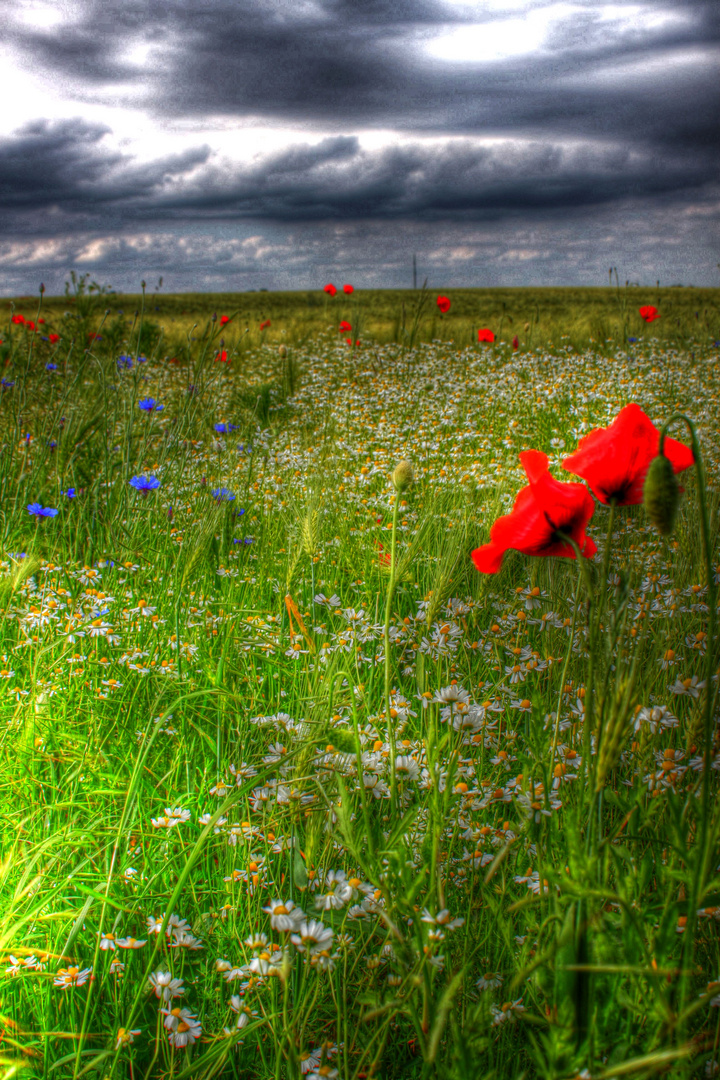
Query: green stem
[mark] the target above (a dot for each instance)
(702, 864)
(562, 679)
(388, 606)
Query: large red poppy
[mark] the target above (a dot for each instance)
(614, 461)
(486, 335)
(648, 313)
(344, 327)
(348, 289)
(542, 511)
(330, 289)
(443, 303)
(224, 319)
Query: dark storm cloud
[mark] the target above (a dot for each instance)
(53, 174)
(346, 65)
(351, 63)
(610, 114)
(63, 167)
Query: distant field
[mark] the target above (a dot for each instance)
(601, 317)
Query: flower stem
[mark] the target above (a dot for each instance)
(702, 864)
(388, 605)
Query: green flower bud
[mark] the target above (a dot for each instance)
(403, 476)
(661, 494)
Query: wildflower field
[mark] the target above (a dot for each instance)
(357, 719)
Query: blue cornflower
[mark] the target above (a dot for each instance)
(633, 339)
(142, 359)
(51, 444)
(249, 540)
(240, 513)
(70, 493)
(51, 367)
(148, 404)
(7, 384)
(144, 483)
(37, 511)
(124, 362)
(222, 494)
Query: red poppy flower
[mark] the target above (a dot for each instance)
(18, 319)
(443, 303)
(31, 325)
(516, 342)
(330, 289)
(349, 340)
(344, 327)
(648, 313)
(264, 325)
(542, 511)
(53, 339)
(348, 289)
(486, 335)
(384, 557)
(222, 356)
(224, 319)
(614, 461)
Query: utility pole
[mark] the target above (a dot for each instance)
(414, 271)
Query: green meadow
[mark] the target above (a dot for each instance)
(291, 789)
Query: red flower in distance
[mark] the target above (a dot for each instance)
(224, 319)
(264, 325)
(53, 339)
(648, 313)
(542, 511)
(384, 557)
(31, 326)
(443, 303)
(486, 335)
(348, 289)
(516, 342)
(330, 289)
(19, 320)
(222, 356)
(614, 461)
(344, 327)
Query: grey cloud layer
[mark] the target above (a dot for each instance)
(607, 115)
(52, 175)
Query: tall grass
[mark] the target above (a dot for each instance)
(498, 804)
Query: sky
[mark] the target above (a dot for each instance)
(280, 144)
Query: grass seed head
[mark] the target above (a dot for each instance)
(403, 475)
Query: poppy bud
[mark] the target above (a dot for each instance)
(403, 475)
(282, 351)
(661, 494)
